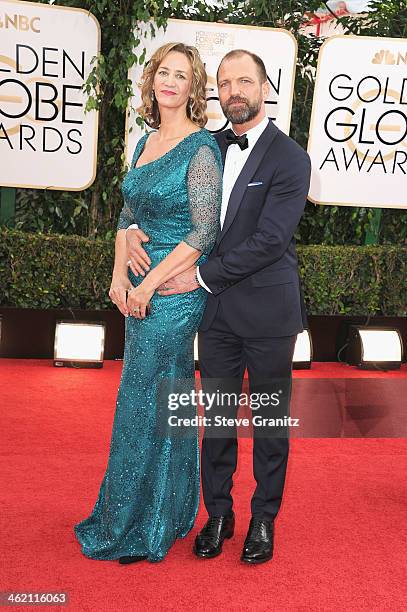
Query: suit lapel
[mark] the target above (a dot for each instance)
(250, 167)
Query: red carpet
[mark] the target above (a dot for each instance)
(340, 537)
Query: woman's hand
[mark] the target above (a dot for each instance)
(118, 292)
(138, 300)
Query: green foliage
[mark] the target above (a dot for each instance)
(56, 271)
(354, 280)
(51, 271)
(94, 212)
(387, 18)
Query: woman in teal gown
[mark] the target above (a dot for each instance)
(149, 494)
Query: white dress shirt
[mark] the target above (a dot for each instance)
(234, 162)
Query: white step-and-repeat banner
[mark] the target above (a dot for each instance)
(358, 133)
(46, 139)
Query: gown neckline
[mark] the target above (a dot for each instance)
(134, 167)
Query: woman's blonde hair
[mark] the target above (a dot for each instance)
(196, 105)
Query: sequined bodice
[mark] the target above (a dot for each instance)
(172, 197)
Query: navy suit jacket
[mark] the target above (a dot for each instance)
(252, 269)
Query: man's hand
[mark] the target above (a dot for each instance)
(182, 283)
(139, 261)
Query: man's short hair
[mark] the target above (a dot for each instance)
(261, 69)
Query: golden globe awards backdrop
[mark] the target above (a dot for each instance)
(46, 139)
(357, 139)
(277, 48)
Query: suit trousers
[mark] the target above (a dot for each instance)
(223, 357)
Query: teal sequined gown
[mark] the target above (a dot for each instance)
(149, 494)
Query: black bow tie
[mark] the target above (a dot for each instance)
(242, 140)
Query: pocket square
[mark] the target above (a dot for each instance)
(255, 184)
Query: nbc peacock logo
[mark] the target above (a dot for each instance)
(388, 58)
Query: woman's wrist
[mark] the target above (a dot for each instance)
(120, 278)
(148, 283)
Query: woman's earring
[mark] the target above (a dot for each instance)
(190, 106)
(152, 95)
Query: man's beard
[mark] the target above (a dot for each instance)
(244, 113)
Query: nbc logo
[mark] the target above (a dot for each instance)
(20, 22)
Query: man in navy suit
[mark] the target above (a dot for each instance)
(255, 308)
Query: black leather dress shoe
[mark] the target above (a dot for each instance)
(131, 559)
(258, 546)
(208, 543)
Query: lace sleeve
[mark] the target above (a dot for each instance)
(205, 198)
(126, 218)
